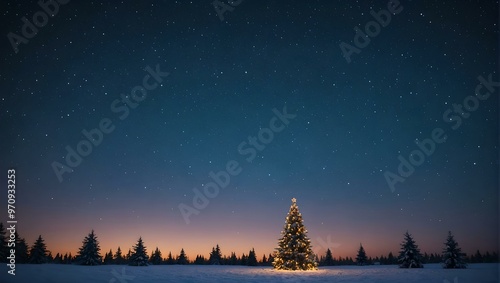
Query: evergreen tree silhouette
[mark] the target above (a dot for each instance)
(391, 259)
(294, 250)
(139, 257)
(478, 258)
(50, 258)
(328, 260)
(182, 258)
(252, 258)
(215, 256)
(200, 260)
(264, 260)
(89, 253)
(233, 259)
(361, 257)
(118, 257)
(68, 258)
(170, 259)
(38, 252)
(22, 255)
(409, 256)
(156, 258)
(3, 244)
(108, 257)
(243, 259)
(452, 254)
(58, 259)
(65, 258)
(270, 258)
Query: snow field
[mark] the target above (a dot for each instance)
(54, 273)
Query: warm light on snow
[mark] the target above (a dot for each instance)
(294, 250)
(57, 273)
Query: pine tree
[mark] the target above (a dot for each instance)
(108, 257)
(22, 255)
(383, 260)
(361, 257)
(252, 258)
(182, 258)
(294, 250)
(89, 253)
(58, 259)
(233, 259)
(3, 244)
(118, 258)
(270, 258)
(432, 258)
(215, 256)
(426, 258)
(156, 258)
(65, 258)
(264, 260)
(391, 259)
(225, 260)
(139, 257)
(170, 259)
(487, 257)
(409, 256)
(478, 257)
(199, 260)
(50, 258)
(38, 252)
(328, 260)
(243, 259)
(495, 257)
(452, 254)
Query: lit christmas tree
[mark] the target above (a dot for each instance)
(295, 250)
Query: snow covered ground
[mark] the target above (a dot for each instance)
(52, 273)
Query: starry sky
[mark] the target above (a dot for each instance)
(226, 81)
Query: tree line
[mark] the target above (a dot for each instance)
(90, 254)
(411, 257)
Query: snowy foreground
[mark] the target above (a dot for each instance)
(52, 273)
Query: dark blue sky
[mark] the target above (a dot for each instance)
(225, 78)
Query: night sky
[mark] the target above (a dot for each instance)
(344, 127)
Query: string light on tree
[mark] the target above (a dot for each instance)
(294, 250)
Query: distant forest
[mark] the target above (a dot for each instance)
(90, 254)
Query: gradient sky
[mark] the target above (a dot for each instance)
(225, 78)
